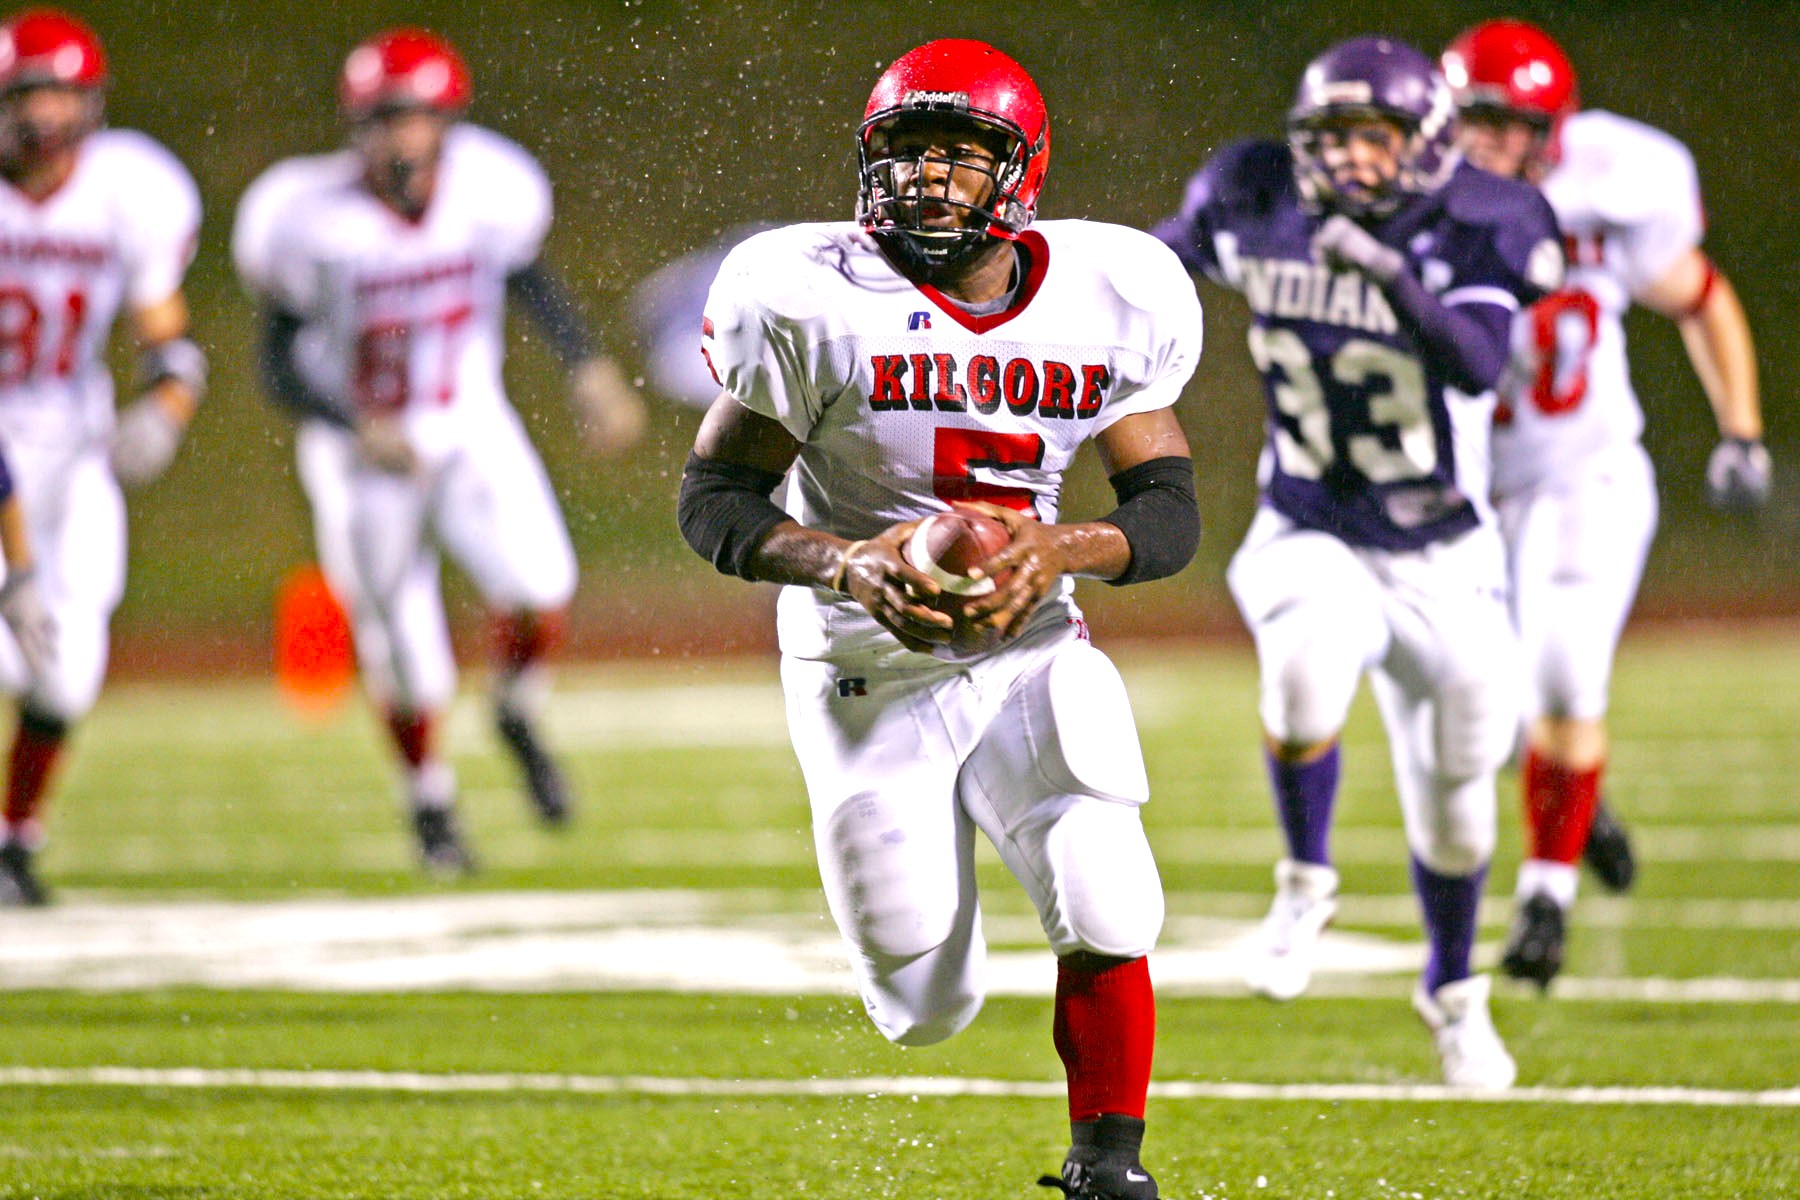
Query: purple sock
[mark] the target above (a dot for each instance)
(1451, 906)
(1304, 794)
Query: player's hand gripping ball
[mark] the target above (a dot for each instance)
(946, 546)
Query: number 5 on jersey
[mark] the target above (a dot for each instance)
(958, 453)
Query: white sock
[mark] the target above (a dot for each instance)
(521, 693)
(1540, 876)
(431, 784)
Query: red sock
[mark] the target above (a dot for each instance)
(1105, 1031)
(35, 750)
(522, 638)
(414, 734)
(1559, 807)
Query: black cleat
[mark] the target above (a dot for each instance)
(1534, 947)
(19, 885)
(441, 848)
(549, 791)
(1103, 1162)
(1608, 851)
(1103, 1181)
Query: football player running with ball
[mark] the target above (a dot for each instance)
(384, 270)
(1382, 276)
(1573, 486)
(943, 348)
(93, 222)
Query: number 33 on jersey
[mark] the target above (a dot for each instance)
(1366, 440)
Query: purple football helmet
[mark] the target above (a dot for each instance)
(1373, 77)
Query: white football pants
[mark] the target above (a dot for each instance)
(1035, 746)
(1575, 549)
(485, 500)
(1431, 629)
(75, 515)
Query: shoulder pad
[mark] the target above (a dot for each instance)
(1629, 171)
(492, 156)
(300, 178)
(1138, 267)
(1247, 174)
(147, 160)
(1476, 197)
(777, 269)
(1520, 220)
(466, 138)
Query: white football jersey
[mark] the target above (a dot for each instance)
(904, 402)
(1628, 200)
(119, 233)
(397, 315)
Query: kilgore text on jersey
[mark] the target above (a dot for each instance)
(1057, 390)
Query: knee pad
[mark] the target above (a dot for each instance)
(1108, 894)
(918, 999)
(1477, 723)
(891, 901)
(70, 687)
(906, 1028)
(1575, 671)
(1457, 836)
(1309, 678)
(1315, 611)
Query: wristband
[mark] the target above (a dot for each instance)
(178, 358)
(843, 566)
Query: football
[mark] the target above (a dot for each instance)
(946, 545)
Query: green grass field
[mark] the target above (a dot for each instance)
(245, 990)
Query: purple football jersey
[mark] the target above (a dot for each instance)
(1367, 438)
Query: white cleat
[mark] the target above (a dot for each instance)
(1467, 1043)
(1281, 963)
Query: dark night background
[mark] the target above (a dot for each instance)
(663, 124)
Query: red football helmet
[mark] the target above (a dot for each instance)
(1513, 67)
(403, 68)
(44, 46)
(963, 80)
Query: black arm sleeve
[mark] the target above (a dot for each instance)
(725, 512)
(553, 309)
(1468, 344)
(1159, 515)
(275, 362)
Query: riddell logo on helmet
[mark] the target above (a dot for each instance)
(1343, 91)
(937, 99)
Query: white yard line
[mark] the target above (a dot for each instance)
(1352, 845)
(1380, 845)
(899, 1086)
(761, 943)
(1595, 910)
